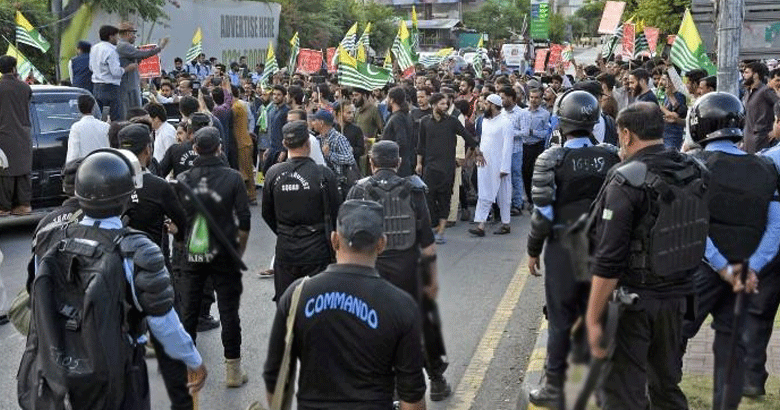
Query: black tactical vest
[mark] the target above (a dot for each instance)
(741, 187)
(395, 195)
(579, 175)
(671, 236)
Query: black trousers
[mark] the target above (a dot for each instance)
(177, 275)
(648, 357)
(716, 297)
(530, 153)
(439, 193)
(286, 274)
(174, 374)
(567, 299)
(759, 323)
(227, 283)
(15, 191)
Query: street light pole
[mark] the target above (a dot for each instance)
(730, 17)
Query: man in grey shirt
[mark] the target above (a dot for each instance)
(759, 100)
(130, 87)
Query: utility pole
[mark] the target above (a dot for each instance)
(731, 13)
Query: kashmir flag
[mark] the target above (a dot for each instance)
(388, 63)
(688, 51)
(609, 47)
(23, 66)
(196, 48)
(476, 61)
(567, 53)
(27, 34)
(415, 36)
(641, 46)
(402, 48)
(271, 66)
(295, 48)
(353, 73)
(363, 44)
(429, 61)
(349, 43)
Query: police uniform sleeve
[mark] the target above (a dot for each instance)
(151, 281)
(334, 198)
(241, 205)
(268, 211)
(543, 195)
(408, 361)
(613, 231)
(174, 210)
(425, 236)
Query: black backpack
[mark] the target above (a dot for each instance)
(79, 352)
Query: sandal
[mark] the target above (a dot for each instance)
(503, 230)
(477, 232)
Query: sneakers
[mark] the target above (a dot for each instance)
(439, 388)
(206, 323)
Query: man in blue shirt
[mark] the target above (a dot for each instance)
(538, 133)
(277, 117)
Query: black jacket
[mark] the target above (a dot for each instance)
(151, 204)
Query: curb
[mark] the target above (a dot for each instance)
(535, 369)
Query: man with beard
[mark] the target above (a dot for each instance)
(423, 108)
(130, 87)
(399, 128)
(759, 100)
(638, 85)
(367, 116)
(345, 118)
(277, 117)
(520, 122)
(493, 177)
(436, 159)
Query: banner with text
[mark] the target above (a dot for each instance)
(540, 19)
(629, 33)
(329, 53)
(541, 56)
(652, 33)
(555, 55)
(309, 61)
(610, 19)
(149, 67)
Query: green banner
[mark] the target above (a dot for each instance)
(540, 19)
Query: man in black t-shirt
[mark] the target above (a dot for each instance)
(369, 328)
(295, 194)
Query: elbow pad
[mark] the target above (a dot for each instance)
(543, 181)
(540, 230)
(152, 283)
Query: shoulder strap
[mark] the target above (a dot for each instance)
(284, 389)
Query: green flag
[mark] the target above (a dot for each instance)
(402, 48)
(353, 73)
(196, 48)
(271, 66)
(688, 51)
(23, 66)
(27, 34)
(295, 47)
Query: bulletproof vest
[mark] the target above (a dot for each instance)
(579, 175)
(395, 195)
(741, 187)
(671, 235)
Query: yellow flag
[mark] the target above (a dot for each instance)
(414, 18)
(346, 58)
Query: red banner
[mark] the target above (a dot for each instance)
(652, 37)
(610, 19)
(409, 73)
(309, 61)
(150, 67)
(555, 55)
(629, 33)
(541, 55)
(670, 39)
(329, 59)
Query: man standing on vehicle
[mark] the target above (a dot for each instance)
(15, 140)
(107, 72)
(130, 87)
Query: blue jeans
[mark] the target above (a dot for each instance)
(108, 94)
(517, 179)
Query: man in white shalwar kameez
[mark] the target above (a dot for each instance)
(494, 179)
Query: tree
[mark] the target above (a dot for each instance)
(557, 28)
(590, 14)
(499, 19)
(664, 14)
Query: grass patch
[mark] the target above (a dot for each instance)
(698, 389)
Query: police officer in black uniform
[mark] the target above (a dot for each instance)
(180, 156)
(222, 193)
(69, 211)
(650, 227)
(357, 336)
(104, 183)
(300, 204)
(148, 208)
(566, 180)
(410, 244)
(741, 189)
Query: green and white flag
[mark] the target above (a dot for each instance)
(476, 62)
(353, 73)
(363, 44)
(295, 48)
(271, 66)
(402, 48)
(27, 34)
(196, 48)
(23, 66)
(415, 36)
(429, 61)
(688, 51)
(608, 49)
(641, 46)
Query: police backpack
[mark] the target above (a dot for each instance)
(395, 196)
(79, 353)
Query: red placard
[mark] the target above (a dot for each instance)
(670, 39)
(629, 33)
(541, 55)
(652, 37)
(610, 19)
(330, 52)
(409, 72)
(309, 61)
(150, 67)
(555, 55)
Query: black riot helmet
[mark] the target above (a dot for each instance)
(578, 111)
(105, 180)
(716, 116)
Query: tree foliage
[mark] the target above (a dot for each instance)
(557, 31)
(499, 19)
(664, 14)
(590, 17)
